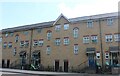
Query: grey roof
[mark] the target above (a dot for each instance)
(50, 23)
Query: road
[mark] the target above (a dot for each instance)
(14, 72)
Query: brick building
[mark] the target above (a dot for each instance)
(64, 44)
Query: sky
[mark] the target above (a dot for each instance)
(15, 13)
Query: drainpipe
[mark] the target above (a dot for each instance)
(101, 45)
(30, 46)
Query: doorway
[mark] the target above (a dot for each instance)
(91, 60)
(3, 63)
(66, 66)
(8, 63)
(56, 65)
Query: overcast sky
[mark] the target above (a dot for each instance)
(24, 12)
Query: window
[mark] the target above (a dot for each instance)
(108, 38)
(21, 43)
(25, 32)
(57, 41)
(16, 38)
(66, 26)
(107, 55)
(75, 32)
(90, 24)
(94, 38)
(75, 48)
(40, 42)
(35, 43)
(66, 40)
(14, 51)
(117, 37)
(39, 30)
(86, 39)
(48, 50)
(9, 44)
(26, 43)
(11, 34)
(6, 35)
(5, 45)
(109, 21)
(0, 39)
(57, 27)
(98, 55)
(49, 33)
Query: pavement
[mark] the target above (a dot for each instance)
(16, 72)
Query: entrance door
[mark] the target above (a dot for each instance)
(65, 66)
(56, 65)
(8, 63)
(3, 63)
(115, 59)
(91, 60)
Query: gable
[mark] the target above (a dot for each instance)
(61, 19)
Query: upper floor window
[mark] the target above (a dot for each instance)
(26, 43)
(109, 21)
(98, 55)
(86, 39)
(35, 43)
(117, 37)
(25, 32)
(57, 41)
(39, 30)
(14, 51)
(94, 38)
(75, 48)
(66, 26)
(5, 45)
(57, 27)
(40, 42)
(75, 32)
(21, 43)
(108, 38)
(90, 24)
(11, 34)
(49, 34)
(16, 38)
(6, 35)
(48, 50)
(66, 40)
(9, 44)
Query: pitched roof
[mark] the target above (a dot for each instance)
(51, 23)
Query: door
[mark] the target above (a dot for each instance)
(56, 65)
(8, 63)
(66, 66)
(91, 61)
(3, 63)
(115, 59)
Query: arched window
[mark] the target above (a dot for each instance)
(49, 34)
(75, 32)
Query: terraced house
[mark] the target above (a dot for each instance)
(64, 44)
